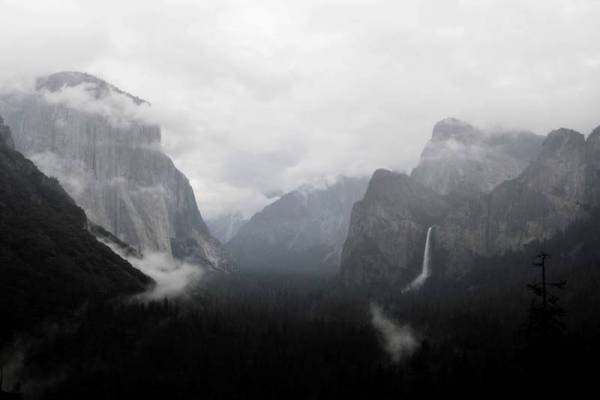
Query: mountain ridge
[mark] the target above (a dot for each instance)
(542, 200)
(461, 159)
(114, 169)
(304, 229)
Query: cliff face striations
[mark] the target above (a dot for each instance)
(96, 140)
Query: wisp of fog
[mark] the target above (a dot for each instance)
(398, 340)
(173, 277)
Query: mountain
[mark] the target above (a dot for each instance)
(388, 229)
(48, 260)
(225, 227)
(96, 139)
(540, 201)
(303, 230)
(592, 173)
(463, 160)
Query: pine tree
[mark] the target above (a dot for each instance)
(545, 312)
(545, 330)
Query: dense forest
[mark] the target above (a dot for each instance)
(305, 336)
(49, 261)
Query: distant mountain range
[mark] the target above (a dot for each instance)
(483, 192)
(304, 230)
(225, 227)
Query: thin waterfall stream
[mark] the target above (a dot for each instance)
(426, 268)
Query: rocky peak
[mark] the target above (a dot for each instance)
(460, 159)
(5, 136)
(97, 86)
(385, 184)
(563, 150)
(454, 129)
(559, 170)
(405, 194)
(562, 143)
(381, 177)
(382, 173)
(593, 139)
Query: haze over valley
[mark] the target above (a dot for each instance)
(337, 199)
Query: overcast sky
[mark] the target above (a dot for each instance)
(257, 97)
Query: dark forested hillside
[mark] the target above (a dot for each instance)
(48, 259)
(293, 336)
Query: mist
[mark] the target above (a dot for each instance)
(172, 277)
(398, 340)
(318, 199)
(261, 97)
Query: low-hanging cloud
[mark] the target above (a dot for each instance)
(398, 341)
(173, 277)
(119, 109)
(264, 96)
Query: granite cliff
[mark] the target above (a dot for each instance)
(97, 141)
(388, 228)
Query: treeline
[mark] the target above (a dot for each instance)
(280, 337)
(299, 336)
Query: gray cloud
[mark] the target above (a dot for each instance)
(257, 97)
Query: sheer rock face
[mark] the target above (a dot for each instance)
(303, 230)
(93, 137)
(462, 160)
(388, 229)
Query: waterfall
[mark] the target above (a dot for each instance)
(426, 268)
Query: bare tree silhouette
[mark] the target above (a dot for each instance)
(545, 329)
